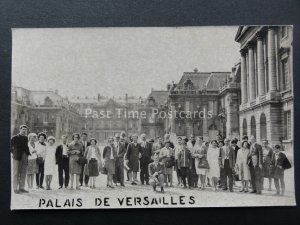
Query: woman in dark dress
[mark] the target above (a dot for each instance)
(132, 159)
(109, 156)
(75, 150)
(267, 155)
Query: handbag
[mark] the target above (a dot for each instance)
(82, 160)
(40, 160)
(286, 164)
(203, 164)
(170, 162)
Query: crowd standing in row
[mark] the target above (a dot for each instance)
(218, 164)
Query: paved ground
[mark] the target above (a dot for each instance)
(143, 196)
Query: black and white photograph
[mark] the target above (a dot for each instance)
(152, 117)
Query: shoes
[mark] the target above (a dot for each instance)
(154, 188)
(110, 186)
(42, 187)
(246, 191)
(17, 191)
(185, 187)
(133, 183)
(258, 192)
(224, 189)
(78, 188)
(23, 191)
(147, 183)
(60, 187)
(162, 190)
(242, 190)
(252, 192)
(122, 185)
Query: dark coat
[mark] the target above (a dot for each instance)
(184, 159)
(276, 165)
(120, 155)
(146, 153)
(107, 151)
(231, 157)
(152, 168)
(58, 154)
(19, 145)
(132, 155)
(256, 152)
(87, 145)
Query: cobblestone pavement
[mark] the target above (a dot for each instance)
(143, 196)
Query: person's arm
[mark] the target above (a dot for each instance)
(104, 152)
(127, 154)
(57, 154)
(150, 171)
(86, 151)
(13, 144)
(260, 155)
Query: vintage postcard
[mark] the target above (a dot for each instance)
(152, 117)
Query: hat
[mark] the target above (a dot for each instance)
(51, 138)
(93, 139)
(226, 140)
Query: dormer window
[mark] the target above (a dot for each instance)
(48, 101)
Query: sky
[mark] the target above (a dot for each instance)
(114, 61)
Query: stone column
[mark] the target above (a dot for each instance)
(271, 59)
(251, 71)
(260, 65)
(244, 91)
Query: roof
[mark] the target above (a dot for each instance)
(202, 80)
(160, 97)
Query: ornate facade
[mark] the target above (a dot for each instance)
(266, 109)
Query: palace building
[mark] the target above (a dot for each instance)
(266, 109)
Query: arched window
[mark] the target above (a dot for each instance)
(244, 127)
(263, 127)
(253, 126)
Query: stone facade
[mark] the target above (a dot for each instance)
(266, 109)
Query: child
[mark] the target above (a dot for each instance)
(50, 162)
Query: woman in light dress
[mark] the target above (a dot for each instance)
(50, 161)
(201, 165)
(32, 167)
(166, 155)
(242, 167)
(94, 163)
(213, 163)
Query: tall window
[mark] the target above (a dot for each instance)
(253, 126)
(287, 125)
(263, 127)
(46, 117)
(285, 74)
(244, 127)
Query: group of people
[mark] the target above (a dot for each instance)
(218, 163)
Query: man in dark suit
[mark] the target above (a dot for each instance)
(227, 164)
(121, 150)
(62, 160)
(85, 143)
(155, 170)
(145, 158)
(20, 152)
(277, 167)
(256, 159)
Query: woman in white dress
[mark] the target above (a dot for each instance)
(50, 161)
(242, 167)
(213, 163)
(201, 164)
(32, 167)
(166, 156)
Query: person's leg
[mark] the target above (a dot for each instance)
(50, 180)
(171, 180)
(142, 173)
(276, 183)
(183, 176)
(91, 182)
(252, 175)
(270, 184)
(153, 184)
(23, 170)
(147, 174)
(130, 176)
(230, 178)
(15, 175)
(42, 175)
(121, 173)
(77, 180)
(60, 174)
(81, 176)
(282, 184)
(28, 180)
(72, 180)
(37, 177)
(66, 170)
(161, 178)
(135, 176)
(86, 179)
(258, 179)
